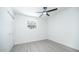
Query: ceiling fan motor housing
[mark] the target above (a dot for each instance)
(44, 8)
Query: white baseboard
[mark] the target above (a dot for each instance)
(27, 42)
(65, 45)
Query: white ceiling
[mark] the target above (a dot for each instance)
(32, 11)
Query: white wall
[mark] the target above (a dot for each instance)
(6, 32)
(63, 27)
(24, 34)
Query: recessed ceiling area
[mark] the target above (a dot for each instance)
(32, 11)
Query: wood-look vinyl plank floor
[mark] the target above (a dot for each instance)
(42, 46)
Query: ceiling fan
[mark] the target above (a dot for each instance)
(45, 11)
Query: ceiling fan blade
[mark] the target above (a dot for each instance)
(41, 15)
(47, 14)
(52, 10)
